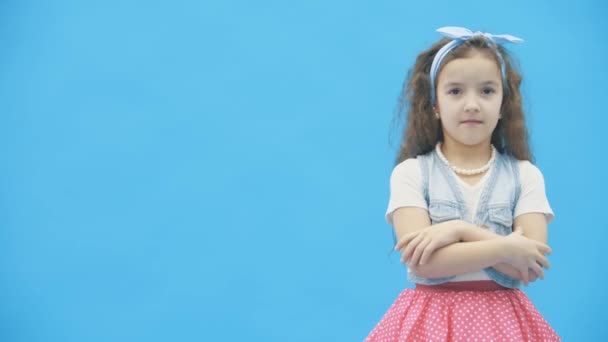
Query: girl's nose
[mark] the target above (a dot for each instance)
(471, 106)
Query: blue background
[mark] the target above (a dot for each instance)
(198, 171)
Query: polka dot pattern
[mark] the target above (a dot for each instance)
(462, 315)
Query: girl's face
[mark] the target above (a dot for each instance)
(469, 96)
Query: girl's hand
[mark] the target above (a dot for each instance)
(419, 245)
(532, 276)
(526, 255)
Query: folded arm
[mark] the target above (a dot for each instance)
(534, 226)
(452, 259)
(473, 249)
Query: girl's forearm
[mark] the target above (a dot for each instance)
(472, 233)
(460, 258)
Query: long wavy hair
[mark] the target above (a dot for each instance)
(423, 131)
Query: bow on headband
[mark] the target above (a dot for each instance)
(459, 36)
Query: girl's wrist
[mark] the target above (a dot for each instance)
(465, 230)
(502, 250)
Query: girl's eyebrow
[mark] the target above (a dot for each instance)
(452, 84)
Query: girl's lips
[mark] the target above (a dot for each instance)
(472, 122)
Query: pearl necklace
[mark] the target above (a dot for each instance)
(467, 172)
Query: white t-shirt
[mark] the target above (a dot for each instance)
(407, 191)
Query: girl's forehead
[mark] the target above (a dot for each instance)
(471, 68)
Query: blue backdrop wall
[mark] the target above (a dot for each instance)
(218, 170)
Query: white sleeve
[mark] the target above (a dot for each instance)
(406, 188)
(532, 198)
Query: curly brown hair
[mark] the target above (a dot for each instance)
(423, 130)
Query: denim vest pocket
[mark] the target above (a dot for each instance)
(502, 217)
(440, 211)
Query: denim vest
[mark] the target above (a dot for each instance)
(495, 209)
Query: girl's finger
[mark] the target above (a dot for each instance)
(538, 270)
(404, 240)
(543, 261)
(428, 251)
(418, 251)
(524, 274)
(544, 248)
(532, 276)
(405, 254)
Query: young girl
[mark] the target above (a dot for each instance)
(468, 208)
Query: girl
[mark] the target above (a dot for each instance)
(468, 208)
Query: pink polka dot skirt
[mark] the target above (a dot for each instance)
(477, 311)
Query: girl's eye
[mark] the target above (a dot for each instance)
(454, 91)
(488, 91)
